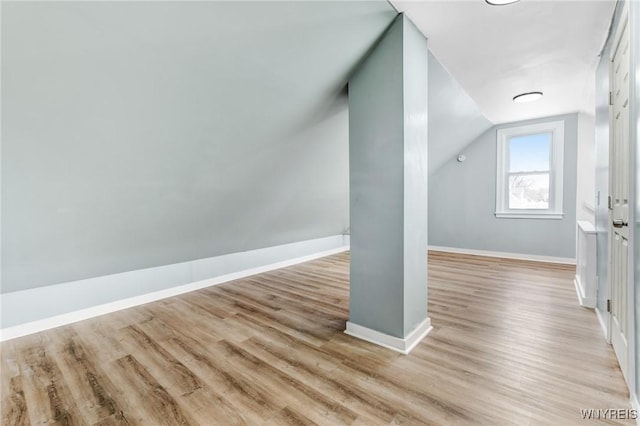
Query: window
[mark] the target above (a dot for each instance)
(529, 172)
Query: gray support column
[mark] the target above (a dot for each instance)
(388, 191)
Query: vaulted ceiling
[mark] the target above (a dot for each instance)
(223, 126)
(138, 134)
(497, 52)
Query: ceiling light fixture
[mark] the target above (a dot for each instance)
(500, 2)
(527, 97)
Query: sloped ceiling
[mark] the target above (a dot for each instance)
(497, 52)
(137, 134)
(454, 118)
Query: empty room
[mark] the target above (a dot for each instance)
(299, 212)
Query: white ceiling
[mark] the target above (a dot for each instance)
(497, 52)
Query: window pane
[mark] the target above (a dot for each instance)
(529, 191)
(529, 153)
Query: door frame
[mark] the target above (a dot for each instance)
(631, 290)
(633, 14)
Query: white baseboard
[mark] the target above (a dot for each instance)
(603, 324)
(587, 302)
(38, 309)
(391, 342)
(506, 255)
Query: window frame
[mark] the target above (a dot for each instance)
(556, 172)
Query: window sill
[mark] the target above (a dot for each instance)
(514, 215)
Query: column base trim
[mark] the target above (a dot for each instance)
(397, 344)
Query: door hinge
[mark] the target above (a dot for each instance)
(609, 203)
(610, 98)
(608, 305)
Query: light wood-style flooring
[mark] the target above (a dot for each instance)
(510, 345)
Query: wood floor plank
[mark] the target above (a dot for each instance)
(96, 397)
(167, 369)
(234, 387)
(14, 406)
(289, 389)
(510, 345)
(44, 383)
(157, 405)
(290, 416)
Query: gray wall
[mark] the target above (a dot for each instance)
(586, 192)
(376, 197)
(454, 118)
(462, 203)
(388, 183)
(138, 134)
(416, 74)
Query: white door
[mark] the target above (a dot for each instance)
(619, 213)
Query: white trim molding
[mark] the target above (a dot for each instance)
(402, 345)
(586, 302)
(506, 255)
(603, 324)
(586, 280)
(555, 172)
(635, 405)
(589, 207)
(513, 215)
(31, 311)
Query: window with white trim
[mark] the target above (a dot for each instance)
(529, 172)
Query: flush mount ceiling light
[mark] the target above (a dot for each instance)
(527, 97)
(500, 2)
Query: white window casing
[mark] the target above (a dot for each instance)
(556, 164)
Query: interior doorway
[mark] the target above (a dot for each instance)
(619, 154)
